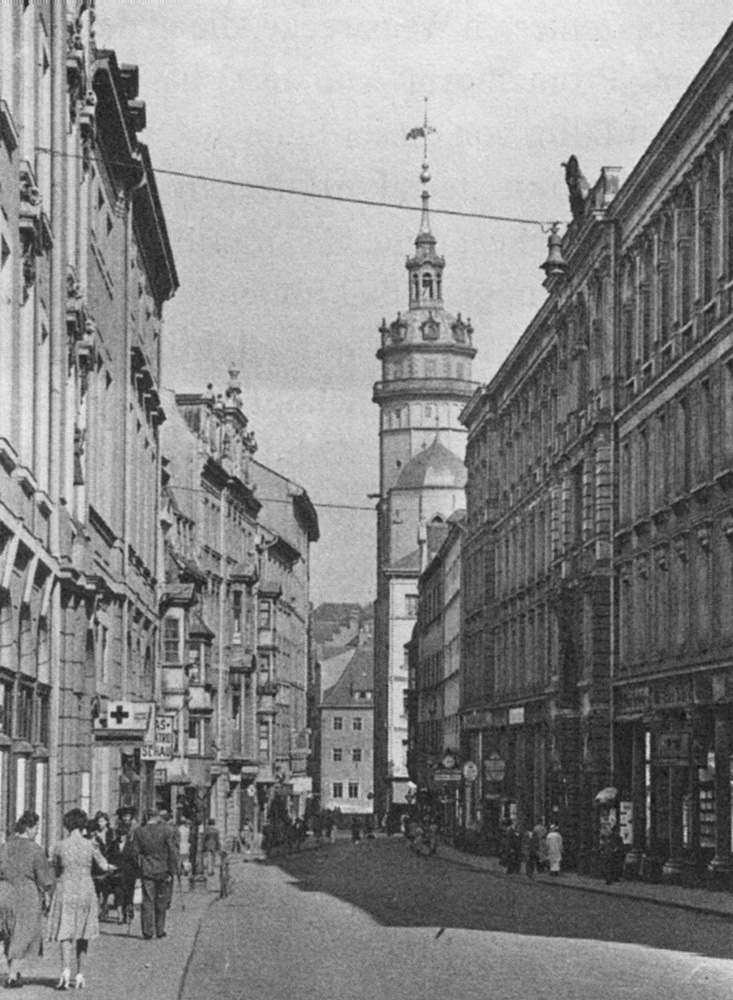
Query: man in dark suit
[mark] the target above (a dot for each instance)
(155, 850)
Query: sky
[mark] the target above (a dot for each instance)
(319, 95)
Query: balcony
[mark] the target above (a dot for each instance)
(419, 387)
(200, 698)
(267, 698)
(267, 638)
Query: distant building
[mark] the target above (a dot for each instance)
(426, 357)
(347, 737)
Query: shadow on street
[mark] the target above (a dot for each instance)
(398, 889)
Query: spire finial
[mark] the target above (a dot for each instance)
(422, 132)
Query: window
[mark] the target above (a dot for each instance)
(6, 707)
(264, 738)
(338, 723)
(427, 284)
(356, 724)
(411, 605)
(353, 789)
(171, 639)
(338, 755)
(25, 712)
(337, 790)
(356, 755)
(430, 368)
(237, 616)
(265, 614)
(42, 724)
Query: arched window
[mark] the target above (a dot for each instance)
(427, 284)
(415, 288)
(686, 253)
(709, 229)
(627, 320)
(664, 272)
(438, 290)
(645, 271)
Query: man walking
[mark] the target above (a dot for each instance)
(154, 848)
(212, 847)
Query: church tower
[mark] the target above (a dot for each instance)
(426, 356)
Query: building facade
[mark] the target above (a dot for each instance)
(347, 738)
(85, 270)
(597, 559)
(435, 682)
(426, 357)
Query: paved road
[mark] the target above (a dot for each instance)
(372, 921)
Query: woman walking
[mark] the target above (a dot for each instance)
(73, 920)
(25, 879)
(554, 849)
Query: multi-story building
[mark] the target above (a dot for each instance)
(599, 510)
(209, 607)
(426, 357)
(289, 525)
(435, 687)
(85, 269)
(673, 682)
(347, 737)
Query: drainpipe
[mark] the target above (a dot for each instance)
(612, 650)
(57, 382)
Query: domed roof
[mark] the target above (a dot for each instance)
(435, 465)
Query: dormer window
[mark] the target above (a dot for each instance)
(427, 284)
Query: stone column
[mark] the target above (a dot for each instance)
(638, 799)
(720, 866)
(676, 783)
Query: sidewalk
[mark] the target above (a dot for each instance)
(708, 901)
(121, 965)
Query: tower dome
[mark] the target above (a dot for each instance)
(435, 465)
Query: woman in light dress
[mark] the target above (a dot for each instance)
(74, 919)
(554, 849)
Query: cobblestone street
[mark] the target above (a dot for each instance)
(376, 921)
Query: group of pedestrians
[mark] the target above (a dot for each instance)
(540, 849)
(69, 887)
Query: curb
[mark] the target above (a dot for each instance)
(596, 890)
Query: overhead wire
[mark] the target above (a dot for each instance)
(327, 505)
(301, 193)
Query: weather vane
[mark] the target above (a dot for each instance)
(422, 132)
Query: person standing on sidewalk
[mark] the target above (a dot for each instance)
(25, 878)
(554, 849)
(531, 852)
(212, 847)
(154, 848)
(74, 917)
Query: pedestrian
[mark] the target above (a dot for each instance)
(328, 825)
(356, 830)
(612, 853)
(246, 835)
(154, 848)
(540, 831)
(103, 836)
(513, 849)
(184, 847)
(554, 849)
(531, 852)
(127, 865)
(74, 920)
(212, 847)
(26, 879)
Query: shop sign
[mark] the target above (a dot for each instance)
(161, 776)
(672, 750)
(494, 768)
(125, 718)
(445, 776)
(470, 771)
(477, 721)
(626, 821)
(162, 746)
(516, 716)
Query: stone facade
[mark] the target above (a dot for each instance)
(597, 566)
(85, 269)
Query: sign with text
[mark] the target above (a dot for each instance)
(162, 747)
